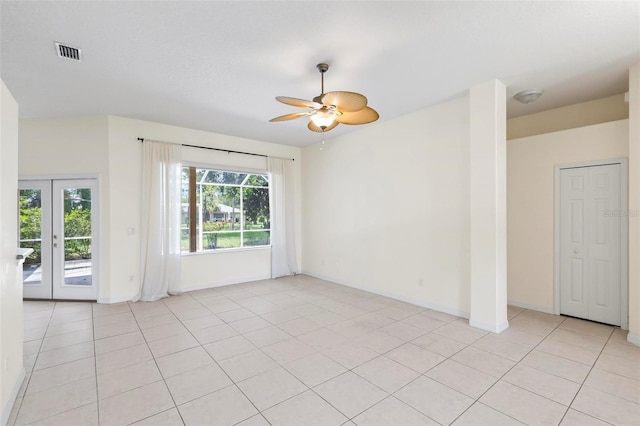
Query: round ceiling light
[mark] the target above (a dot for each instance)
(528, 96)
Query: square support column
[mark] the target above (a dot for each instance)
(634, 205)
(488, 202)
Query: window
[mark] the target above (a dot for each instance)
(222, 210)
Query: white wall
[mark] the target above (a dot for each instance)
(70, 147)
(387, 207)
(204, 270)
(107, 146)
(11, 334)
(530, 202)
(596, 111)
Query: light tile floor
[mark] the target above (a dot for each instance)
(302, 351)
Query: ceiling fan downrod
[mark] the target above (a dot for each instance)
(322, 67)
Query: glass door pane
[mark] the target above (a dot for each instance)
(31, 233)
(34, 201)
(77, 236)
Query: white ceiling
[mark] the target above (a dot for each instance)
(217, 66)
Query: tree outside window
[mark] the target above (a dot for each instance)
(230, 209)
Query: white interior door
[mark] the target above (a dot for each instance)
(590, 250)
(67, 265)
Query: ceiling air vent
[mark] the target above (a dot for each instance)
(68, 52)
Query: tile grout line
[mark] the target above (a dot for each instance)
(175, 316)
(378, 355)
(542, 396)
(93, 317)
(313, 299)
(95, 363)
(379, 329)
(392, 394)
(587, 376)
(233, 383)
(445, 323)
(64, 363)
(28, 379)
(260, 412)
(281, 366)
(138, 363)
(477, 400)
(396, 321)
(53, 366)
(516, 363)
(135, 318)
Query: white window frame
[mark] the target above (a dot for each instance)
(200, 184)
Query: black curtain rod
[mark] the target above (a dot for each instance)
(228, 151)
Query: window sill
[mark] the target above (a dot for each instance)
(227, 250)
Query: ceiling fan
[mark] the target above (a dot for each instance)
(327, 110)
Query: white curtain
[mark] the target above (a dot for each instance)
(281, 203)
(160, 224)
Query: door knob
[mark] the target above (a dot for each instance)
(55, 244)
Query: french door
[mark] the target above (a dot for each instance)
(59, 220)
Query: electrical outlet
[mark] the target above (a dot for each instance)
(131, 278)
(420, 282)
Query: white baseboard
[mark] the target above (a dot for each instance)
(402, 298)
(531, 307)
(6, 410)
(634, 339)
(193, 287)
(498, 328)
(226, 282)
(108, 300)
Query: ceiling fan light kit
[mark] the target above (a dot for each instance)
(528, 96)
(323, 118)
(327, 110)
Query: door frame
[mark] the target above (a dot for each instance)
(95, 227)
(61, 290)
(624, 233)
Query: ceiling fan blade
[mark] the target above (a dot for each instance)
(290, 116)
(296, 102)
(315, 128)
(364, 116)
(345, 101)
